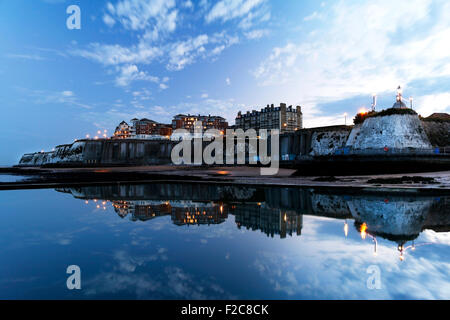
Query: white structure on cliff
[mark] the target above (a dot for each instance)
(395, 130)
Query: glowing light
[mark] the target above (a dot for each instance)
(362, 111)
(221, 209)
(363, 231)
(99, 132)
(346, 229)
(285, 217)
(88, 136)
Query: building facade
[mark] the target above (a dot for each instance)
(283, 118)
(142, 129)
(182, 121)
(123, 131)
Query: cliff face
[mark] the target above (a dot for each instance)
(394, 131)
(438, 132)
(103, 152)
(326, 143)
(64, 153)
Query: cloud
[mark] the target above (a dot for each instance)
(130, 73)
(25, 56)
(230, 9)
(65, 97)
(115, 54)
(256, 34)
(360, 49)
(160, 15)
(185, 52)
(431, 103)
(313, 16)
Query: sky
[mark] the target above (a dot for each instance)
(158, 58)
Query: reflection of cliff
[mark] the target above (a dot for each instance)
(274, 211)
(392, 218)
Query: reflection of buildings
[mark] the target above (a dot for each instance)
(182, 213)
(251, 216)
(199, 215)
(396, 216)
(268, 220)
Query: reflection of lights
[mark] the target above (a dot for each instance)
(221, 209)
(412, 247)
(363, 230)
(346, 228)
(285, 217)
(86, 202)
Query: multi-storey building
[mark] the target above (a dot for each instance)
(123, 131)
(182, 121)
(150, 127)
(142, 129)
(283, 118)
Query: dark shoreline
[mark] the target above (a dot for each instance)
(42, 178)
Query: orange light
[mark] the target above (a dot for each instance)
(362, 111)
(363, 230)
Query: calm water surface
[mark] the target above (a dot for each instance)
(169, 241)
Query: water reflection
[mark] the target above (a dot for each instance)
(395, 216)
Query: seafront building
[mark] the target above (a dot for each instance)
(182, 121)
(142, 129)
(286, 119)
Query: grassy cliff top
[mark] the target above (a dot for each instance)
(359, 118)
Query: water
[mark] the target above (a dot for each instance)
(11, 178)
(173, 241)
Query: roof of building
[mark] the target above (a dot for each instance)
(399, 105)
(442, 116)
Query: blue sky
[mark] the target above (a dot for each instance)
(157, 58)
